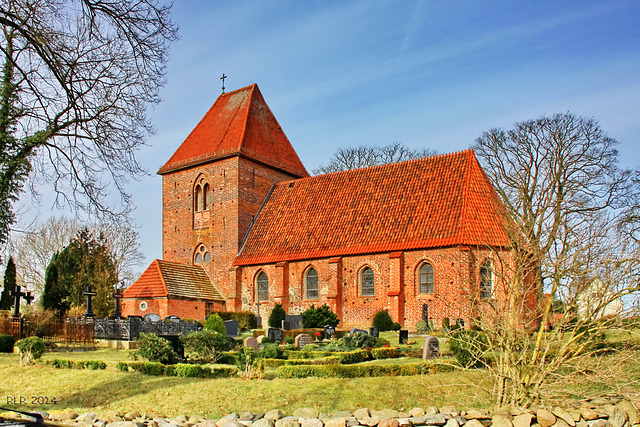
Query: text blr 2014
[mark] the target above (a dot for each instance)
(35, 400)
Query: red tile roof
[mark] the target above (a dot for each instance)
(439, 201)
(238, 123)
(164, 278)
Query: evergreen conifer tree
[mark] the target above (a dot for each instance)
(6, 301)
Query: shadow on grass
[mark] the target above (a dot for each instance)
(128, 386)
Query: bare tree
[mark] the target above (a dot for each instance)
(77, 77)
(364, 156)
(559, 181)
(34, 249)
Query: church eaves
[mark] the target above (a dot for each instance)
(240, 123)
(441, 201)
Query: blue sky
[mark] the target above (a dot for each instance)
(425, 73)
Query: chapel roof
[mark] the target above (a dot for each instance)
(240, 123)
(440, 201)
(172, 279)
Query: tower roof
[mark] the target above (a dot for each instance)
(172, 279)
(440, 201)
(239, 123)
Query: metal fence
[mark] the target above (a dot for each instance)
(70, 331)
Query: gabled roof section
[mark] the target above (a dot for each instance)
(239, 123)
(440, 201)
(172, 279)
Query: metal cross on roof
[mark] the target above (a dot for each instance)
(222, 78)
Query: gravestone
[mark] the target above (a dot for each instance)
(259, 338)
(275, 334)
(252, 342)
(404, 336)
(174, 319)
(356, 330)
(176, 344)
(431, 348)
(285, 325)
(329, 331)
(152, 317)
(295, 320)
(302, 340)
(374, 332)
(460, 323)
(232, 327)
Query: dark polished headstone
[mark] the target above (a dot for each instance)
(295, 320)
(286, 326)
(374, 332)
(329, 331)
(232, 327)
(404, 336)
(275, 334)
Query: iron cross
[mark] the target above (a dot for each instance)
(17, 294)
(222, 78)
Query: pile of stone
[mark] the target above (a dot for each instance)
(610, 412)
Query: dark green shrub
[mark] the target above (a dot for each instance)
(289, 340)
(206, 345)
(246, 319)
(319, 317)
(155, 349)
(197, 371)
(59, 363)
(6, 343)
(357, 341)
(215, 323)
(265, 340)
(95, 364)
(468, 347)
(382, 320)
(395, 326)
(122, 366)
(381, 342)
(271, 351)
(277, 316)
(229, 357)
(152, 368)
(31, 349)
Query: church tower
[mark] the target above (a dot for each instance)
(215, 183)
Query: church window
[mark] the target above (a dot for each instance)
(262, 284)
(486, 280)
(311, 284)
(425, 279)
(205, 197)
(198, 199)
(367, 281)
(202, 255)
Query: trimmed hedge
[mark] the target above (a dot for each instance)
(385, 353)
(309, 354)
(359, 371)
(178, 370)
(71, 364)
(274, 363)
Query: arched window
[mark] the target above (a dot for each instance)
(367, 282)
(262, 284)
(425, 279)
(201, 255)
(311, 284)
(486, 280)
(205, 197)
(198, 198)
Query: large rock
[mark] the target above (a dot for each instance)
(417, 412)
(274, 414)
(263, 422)
(600, 423)
(522, 420)
(130, 416)
(63, 415)
(564, 415)
(545, 418)
(588, 414)
(618, 417)
(362, 413)
(310, 422)
(501, 420)
(451, 410)
(389, 422)
(335, 422)
(385, 414)
(287, 422)
(631, 410)
(431, 410)
(473, 423)
(369, 421)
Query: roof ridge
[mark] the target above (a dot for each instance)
(464, 217)
(164, 283)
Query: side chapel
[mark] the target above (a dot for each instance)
(246, 227)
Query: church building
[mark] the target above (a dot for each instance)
(246, 227)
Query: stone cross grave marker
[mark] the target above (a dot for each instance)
(431, 348)
(117, 295)
(302, 340)
(374, 332)
(275, 334)
(295, 320)
(252, 342)
(285, 325)
(89, 293)
(404, 336)
(232, 327)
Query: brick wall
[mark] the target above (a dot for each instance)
(183, 308)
